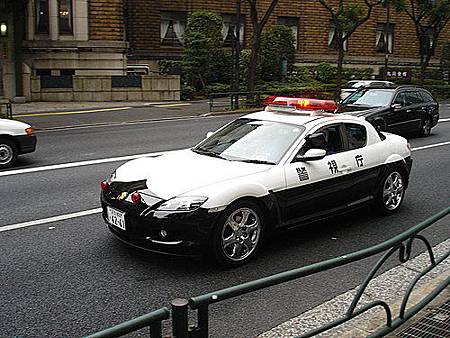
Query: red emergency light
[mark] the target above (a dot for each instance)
(303, 103)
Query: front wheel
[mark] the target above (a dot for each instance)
(238, 234)
(8, 153)
(391, 192)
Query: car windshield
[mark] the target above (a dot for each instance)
(249, 140)
(370, 97)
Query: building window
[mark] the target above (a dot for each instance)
(385, 38)
(229, 30)
(173, 25)
(292, 23)
(333, 37)
(42, 16)
(427, 42)
(65, 16)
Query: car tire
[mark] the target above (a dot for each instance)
(8, 153)
(425, 127)
(391, 191)
(237, 235)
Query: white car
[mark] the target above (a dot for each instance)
(281, 167)
(16, 138)
(353, 85)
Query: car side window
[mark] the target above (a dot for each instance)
(356, 135)
(426, 97)
(400, 99)
(333, 141)
(413, 98)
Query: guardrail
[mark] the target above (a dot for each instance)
(152, 320)
(401, 244)
(255, 99)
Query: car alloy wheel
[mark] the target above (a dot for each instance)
(425, 128)
(393, 190)
(238, 234)
(8, 153)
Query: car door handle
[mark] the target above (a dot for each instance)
(344, 168)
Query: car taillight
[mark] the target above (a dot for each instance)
(136, 198)
(29, 131)
(104, 185)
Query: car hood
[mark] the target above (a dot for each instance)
(179, 172)
(359, 110)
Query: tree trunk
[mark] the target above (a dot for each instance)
(340, 62)
(253, 62)
(424, 62)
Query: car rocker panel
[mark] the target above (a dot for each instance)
(185, 202)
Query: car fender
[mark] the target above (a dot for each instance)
(394, 158)
(223, 194)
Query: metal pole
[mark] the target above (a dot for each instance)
(237, 53)
(180, 318)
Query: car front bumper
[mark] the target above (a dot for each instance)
(26, 143)
(176, 233)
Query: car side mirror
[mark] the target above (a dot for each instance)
(311, 155)
(396, 106)
(209, 133)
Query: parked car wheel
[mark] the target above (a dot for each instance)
(8, 153)
(425, 127)
(238, 234)
(391, 192)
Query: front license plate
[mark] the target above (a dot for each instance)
(116, 217)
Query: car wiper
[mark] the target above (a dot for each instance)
(258, 161)
(207, 153)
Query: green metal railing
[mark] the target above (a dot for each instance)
(401, 244)
(152, 320)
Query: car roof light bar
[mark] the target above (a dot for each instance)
(302, 104)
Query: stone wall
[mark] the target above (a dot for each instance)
(99, 88)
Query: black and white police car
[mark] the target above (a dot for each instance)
(16, 138)
(284, 166)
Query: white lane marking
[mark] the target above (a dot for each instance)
(50, 219)
(431, 146)
(444, 120)
(79, 164)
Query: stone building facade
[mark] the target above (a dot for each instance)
(155, 29)
(61, 37)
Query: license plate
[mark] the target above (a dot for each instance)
(116, 218)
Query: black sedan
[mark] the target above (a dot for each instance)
(400, 110)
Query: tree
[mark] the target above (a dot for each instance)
(346, 18)
(277, 46)
(429, 17)
(203, 52)
(258, 26)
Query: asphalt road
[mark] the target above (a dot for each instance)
(70, 278)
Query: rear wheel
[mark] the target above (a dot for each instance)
(238, 234)
(391, 192)
(425, 127)
(8, 153)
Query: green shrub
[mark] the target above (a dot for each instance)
(325, 72)
(170, 67)
(440, 92)
(187, 92)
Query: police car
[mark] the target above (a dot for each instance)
(16, 138)
(287, 165)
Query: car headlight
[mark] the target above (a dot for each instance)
(188, 203)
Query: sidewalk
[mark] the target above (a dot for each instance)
(389, 287)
